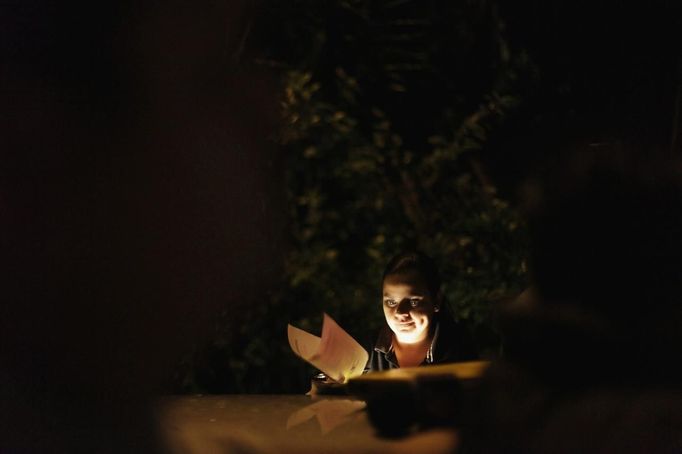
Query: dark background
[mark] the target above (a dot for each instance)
(179, 180)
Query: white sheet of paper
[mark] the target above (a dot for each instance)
(336, 353)
(303, 343)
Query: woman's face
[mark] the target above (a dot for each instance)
(408, 307)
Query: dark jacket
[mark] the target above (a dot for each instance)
(450, 344)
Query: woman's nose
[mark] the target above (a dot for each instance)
(404, 307)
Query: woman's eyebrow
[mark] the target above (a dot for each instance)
(408, 296)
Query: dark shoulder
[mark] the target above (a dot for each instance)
(454, 342)
(379, 352)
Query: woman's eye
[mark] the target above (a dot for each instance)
(414, 302)
(391, 303)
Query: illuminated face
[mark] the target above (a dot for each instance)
(408, 307)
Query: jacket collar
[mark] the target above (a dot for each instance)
(385, 343)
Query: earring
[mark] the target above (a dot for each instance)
(436, 308)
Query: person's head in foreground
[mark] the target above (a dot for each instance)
(589, 363)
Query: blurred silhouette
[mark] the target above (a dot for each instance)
(138, 200)
(591, 350)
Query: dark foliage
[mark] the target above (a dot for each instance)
(385, 107)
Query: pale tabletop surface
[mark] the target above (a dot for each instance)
(282, 424)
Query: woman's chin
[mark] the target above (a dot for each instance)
(407, 337)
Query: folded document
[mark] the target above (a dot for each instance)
(335, 353)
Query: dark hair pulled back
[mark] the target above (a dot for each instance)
(415, 262)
